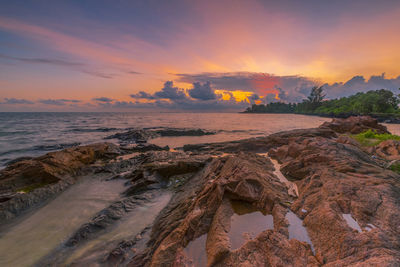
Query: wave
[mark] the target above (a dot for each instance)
(101, 129)
(40, 148)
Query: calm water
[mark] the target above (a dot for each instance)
(34, 134)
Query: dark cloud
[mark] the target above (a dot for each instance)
(170, 92)
(289, 88)
(58, 102)
(50, 61)
(202, 91)
(187, 104)
(200, 97)
(133, 72)
(99, 74)
(103, 99)
(16, 101)
(294, 88)
(77, 66)
(360, 84)
(143, 95)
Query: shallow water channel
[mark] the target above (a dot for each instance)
(125, 229)
(38, 233)
(246, 223)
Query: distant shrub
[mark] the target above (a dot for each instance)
(372, 138)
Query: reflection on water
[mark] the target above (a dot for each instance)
(35, 236)
(247, 223)
(351, 222)
(33, 134)
(292, 187)
(297, 230)
(196, 251)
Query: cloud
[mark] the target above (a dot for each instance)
(167, 92)
(133, 72)
(99, 74)
(291, 88)
(170, 92)
(103, 99)
(287, 88)
(61, 63)
(50, 61)
(360, 84)
(16, 101)
(58, 102)
(202, 91)
(199, 97)
(143, 95)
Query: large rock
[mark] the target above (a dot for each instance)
(26, 183)
(202, 207)
(143, 135)
(389, 149)
(338, 181)
(53, 166)
(355, 125)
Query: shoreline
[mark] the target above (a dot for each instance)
(345, 193)
(380, 117)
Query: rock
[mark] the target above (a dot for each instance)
(40, 178)
(143, 135)
(355, 125)
(195, 211)
(107, 217)
(8, 163)
(133, 136)
(260, 144)
(389, 149)
(334, 179)
(53, 166)
(183, 132)
(143, 147)
(348, 202)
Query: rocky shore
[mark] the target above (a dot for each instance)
(309, 197)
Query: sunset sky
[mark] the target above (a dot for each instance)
(126, 55)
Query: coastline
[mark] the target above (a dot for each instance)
(345, 194)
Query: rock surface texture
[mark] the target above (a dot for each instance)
(346, 212)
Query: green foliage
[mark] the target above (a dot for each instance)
(32, 187)
(372, 102)
(274, 107)
(371, 138)
(395, 167)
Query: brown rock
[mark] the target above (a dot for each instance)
(355, 125)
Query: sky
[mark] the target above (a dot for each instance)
(123, 55)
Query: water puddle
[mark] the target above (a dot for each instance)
(369, 227)
(351, 222)
(221, 155)
(128, 156)
(35, 236)
(292, 187)
(128, 227)
(195, 251)
(247, 223)
(297, 230)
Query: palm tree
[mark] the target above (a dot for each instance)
(316, 95)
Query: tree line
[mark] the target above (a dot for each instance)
(372, 102)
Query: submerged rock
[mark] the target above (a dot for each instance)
(143, 135)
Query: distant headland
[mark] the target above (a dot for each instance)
(381, 104)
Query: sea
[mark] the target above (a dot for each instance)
(30, 134)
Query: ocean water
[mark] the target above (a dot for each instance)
(34, 134)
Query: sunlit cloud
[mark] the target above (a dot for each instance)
(252, 52)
